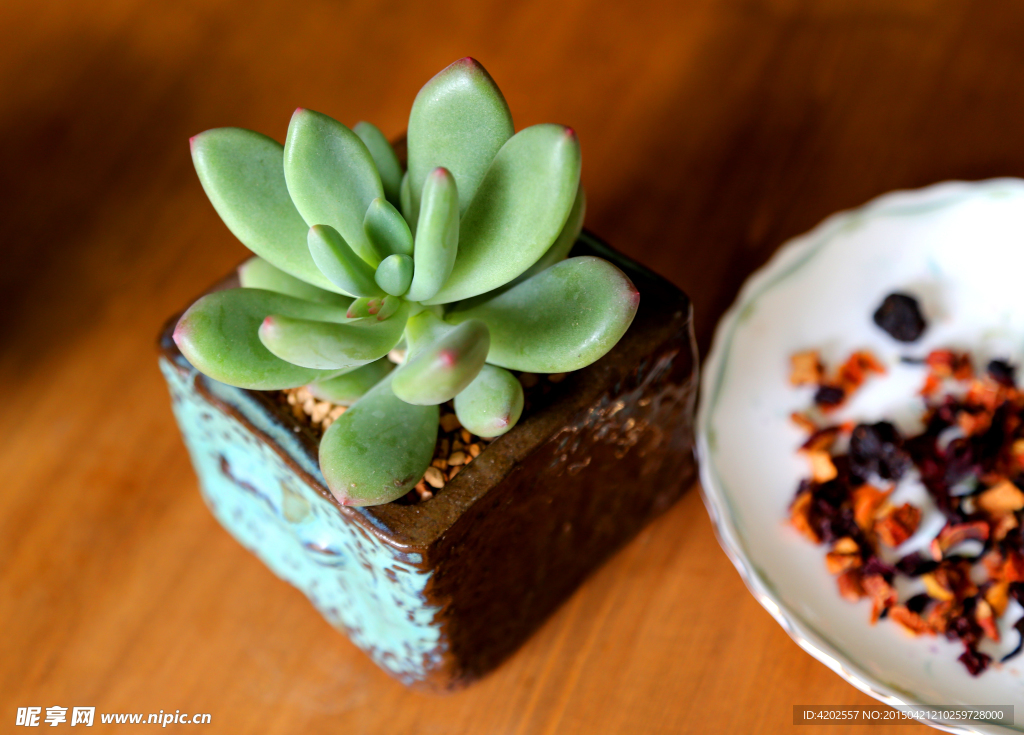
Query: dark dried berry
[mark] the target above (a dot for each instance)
(900, 316)
(875, 565)
(974, 660)
(918, 603)
(960, 459)
(833, 493)
(915, 564)
(829, 395)
(965, 629)
(878, 448)
(1002, 372)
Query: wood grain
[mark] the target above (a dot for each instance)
(712, 131)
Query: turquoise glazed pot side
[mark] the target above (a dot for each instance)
(364, 587)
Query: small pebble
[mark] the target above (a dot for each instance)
(466, 436)
(457, 458)
(556, 377)
(336, 412)
(450, 422)
(453, 472)
(397, 356)
(422, 491)
(320, 411)
(434, 477)
(441, 463)
(474, 450)
(528, 380)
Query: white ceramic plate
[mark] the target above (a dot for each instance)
(960, 248)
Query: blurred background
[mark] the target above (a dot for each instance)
(711, 133)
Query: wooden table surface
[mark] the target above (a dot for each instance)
(711, 131)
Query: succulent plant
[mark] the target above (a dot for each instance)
(460, 262)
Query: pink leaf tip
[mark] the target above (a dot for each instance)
(447, 357)
(180, 332)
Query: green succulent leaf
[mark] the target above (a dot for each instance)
(219, 335)
(242, 173)
(381, 307)
(437, 235)
(329, 345)
(258, 273)
(384, 158)
(378, 449)
(387, 229)
(405, 200)
(331, 177)
(560, 248)
(459, 120)
(349, 387)
(564, 318)
(558, 251)
(424, 329)
(394, 274)
(346, 270)
(438, 372)
(518, 212)
(491, 404)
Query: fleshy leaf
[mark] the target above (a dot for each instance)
(558, 251)
(564, 318)
(491, 404)
(219, 335)
(423, 329)
(348, 388)
(560, 248)
(387, 229)
(518, 212)
(394, 274)
(459, 120)
(378, 449)
(258, 273)
(339, 263)
(242, 173)
(379, 306)
(440, 371)
(437, 235)
(331, 346)
(331, 177)
(384, 158)
(405, 200)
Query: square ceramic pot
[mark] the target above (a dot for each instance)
(440, 592)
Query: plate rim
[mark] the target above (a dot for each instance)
(789, 255)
